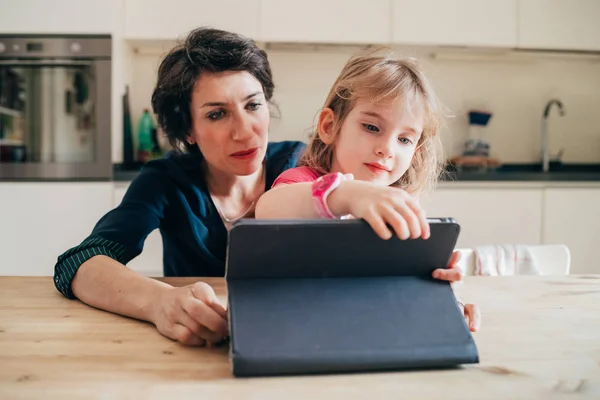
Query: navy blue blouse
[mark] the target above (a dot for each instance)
(169, 194)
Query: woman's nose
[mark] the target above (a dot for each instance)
(242, 127)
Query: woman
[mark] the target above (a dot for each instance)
(211, 99)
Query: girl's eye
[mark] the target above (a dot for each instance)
(253, 106)
(371, 128)
(405, 140)
(215, 115)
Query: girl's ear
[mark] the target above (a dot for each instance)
(325, 126)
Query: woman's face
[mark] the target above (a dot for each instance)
(230, 121)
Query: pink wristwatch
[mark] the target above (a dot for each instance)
(322, 188)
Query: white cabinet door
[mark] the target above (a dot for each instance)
(559, 24)
(455, 22)
(40, 221)
(489, 215)
(150, 262)
(325, 21)
(572, 217)
(175, 18)
(59, 16)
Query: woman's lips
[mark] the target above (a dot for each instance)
(245, 154)
(377, 168)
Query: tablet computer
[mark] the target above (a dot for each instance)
(333, 248)
(330, 296)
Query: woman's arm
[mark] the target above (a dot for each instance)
(95, 271)
(191, 314)
(104, 283)
(120, 233)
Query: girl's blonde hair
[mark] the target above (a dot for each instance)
(378, 78)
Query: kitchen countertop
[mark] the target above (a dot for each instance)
(506, 173)
(123, 173)
(511, 173)
(523, 176)
(540, 338)
(582, 172)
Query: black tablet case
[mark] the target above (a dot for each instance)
(325, 296)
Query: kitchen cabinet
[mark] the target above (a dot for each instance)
(325, 21)
(41, 220)
(455, 22)
(175, 18)
(559, 24)
(59, 16)
(572, 217)
(150, 261)
(489, 215)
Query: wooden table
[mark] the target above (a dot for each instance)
(540, 339)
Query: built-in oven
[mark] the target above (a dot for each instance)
(55, 107)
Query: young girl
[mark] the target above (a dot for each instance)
(375, 150)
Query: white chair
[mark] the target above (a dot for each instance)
(552, 259)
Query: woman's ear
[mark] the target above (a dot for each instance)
(326, 125)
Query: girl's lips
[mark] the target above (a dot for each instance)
(245, 154)
(377, 168)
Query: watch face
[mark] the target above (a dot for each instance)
(325, 182)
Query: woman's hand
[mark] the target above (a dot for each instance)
(191, 315)
(381, 206)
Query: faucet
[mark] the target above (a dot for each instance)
(545, 145)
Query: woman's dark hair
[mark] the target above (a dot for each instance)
(204, 49)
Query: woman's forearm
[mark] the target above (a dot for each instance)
(104, 283)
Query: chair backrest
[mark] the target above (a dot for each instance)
(551, 259)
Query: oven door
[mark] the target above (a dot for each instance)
(55, 119)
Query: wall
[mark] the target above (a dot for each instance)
(514, 88)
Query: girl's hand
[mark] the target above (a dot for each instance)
(452, 273)
(381, 206)
(472, 315)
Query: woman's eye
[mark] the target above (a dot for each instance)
(253, 106)
(215, 115)
(405, 140)
(371, 128)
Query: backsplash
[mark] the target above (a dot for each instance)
(514, 88)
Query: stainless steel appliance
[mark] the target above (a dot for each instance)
(55, 107)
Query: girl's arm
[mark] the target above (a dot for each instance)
(382, 207)
(294, 201)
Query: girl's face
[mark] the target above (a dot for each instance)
(230, 121)
(376, 142)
